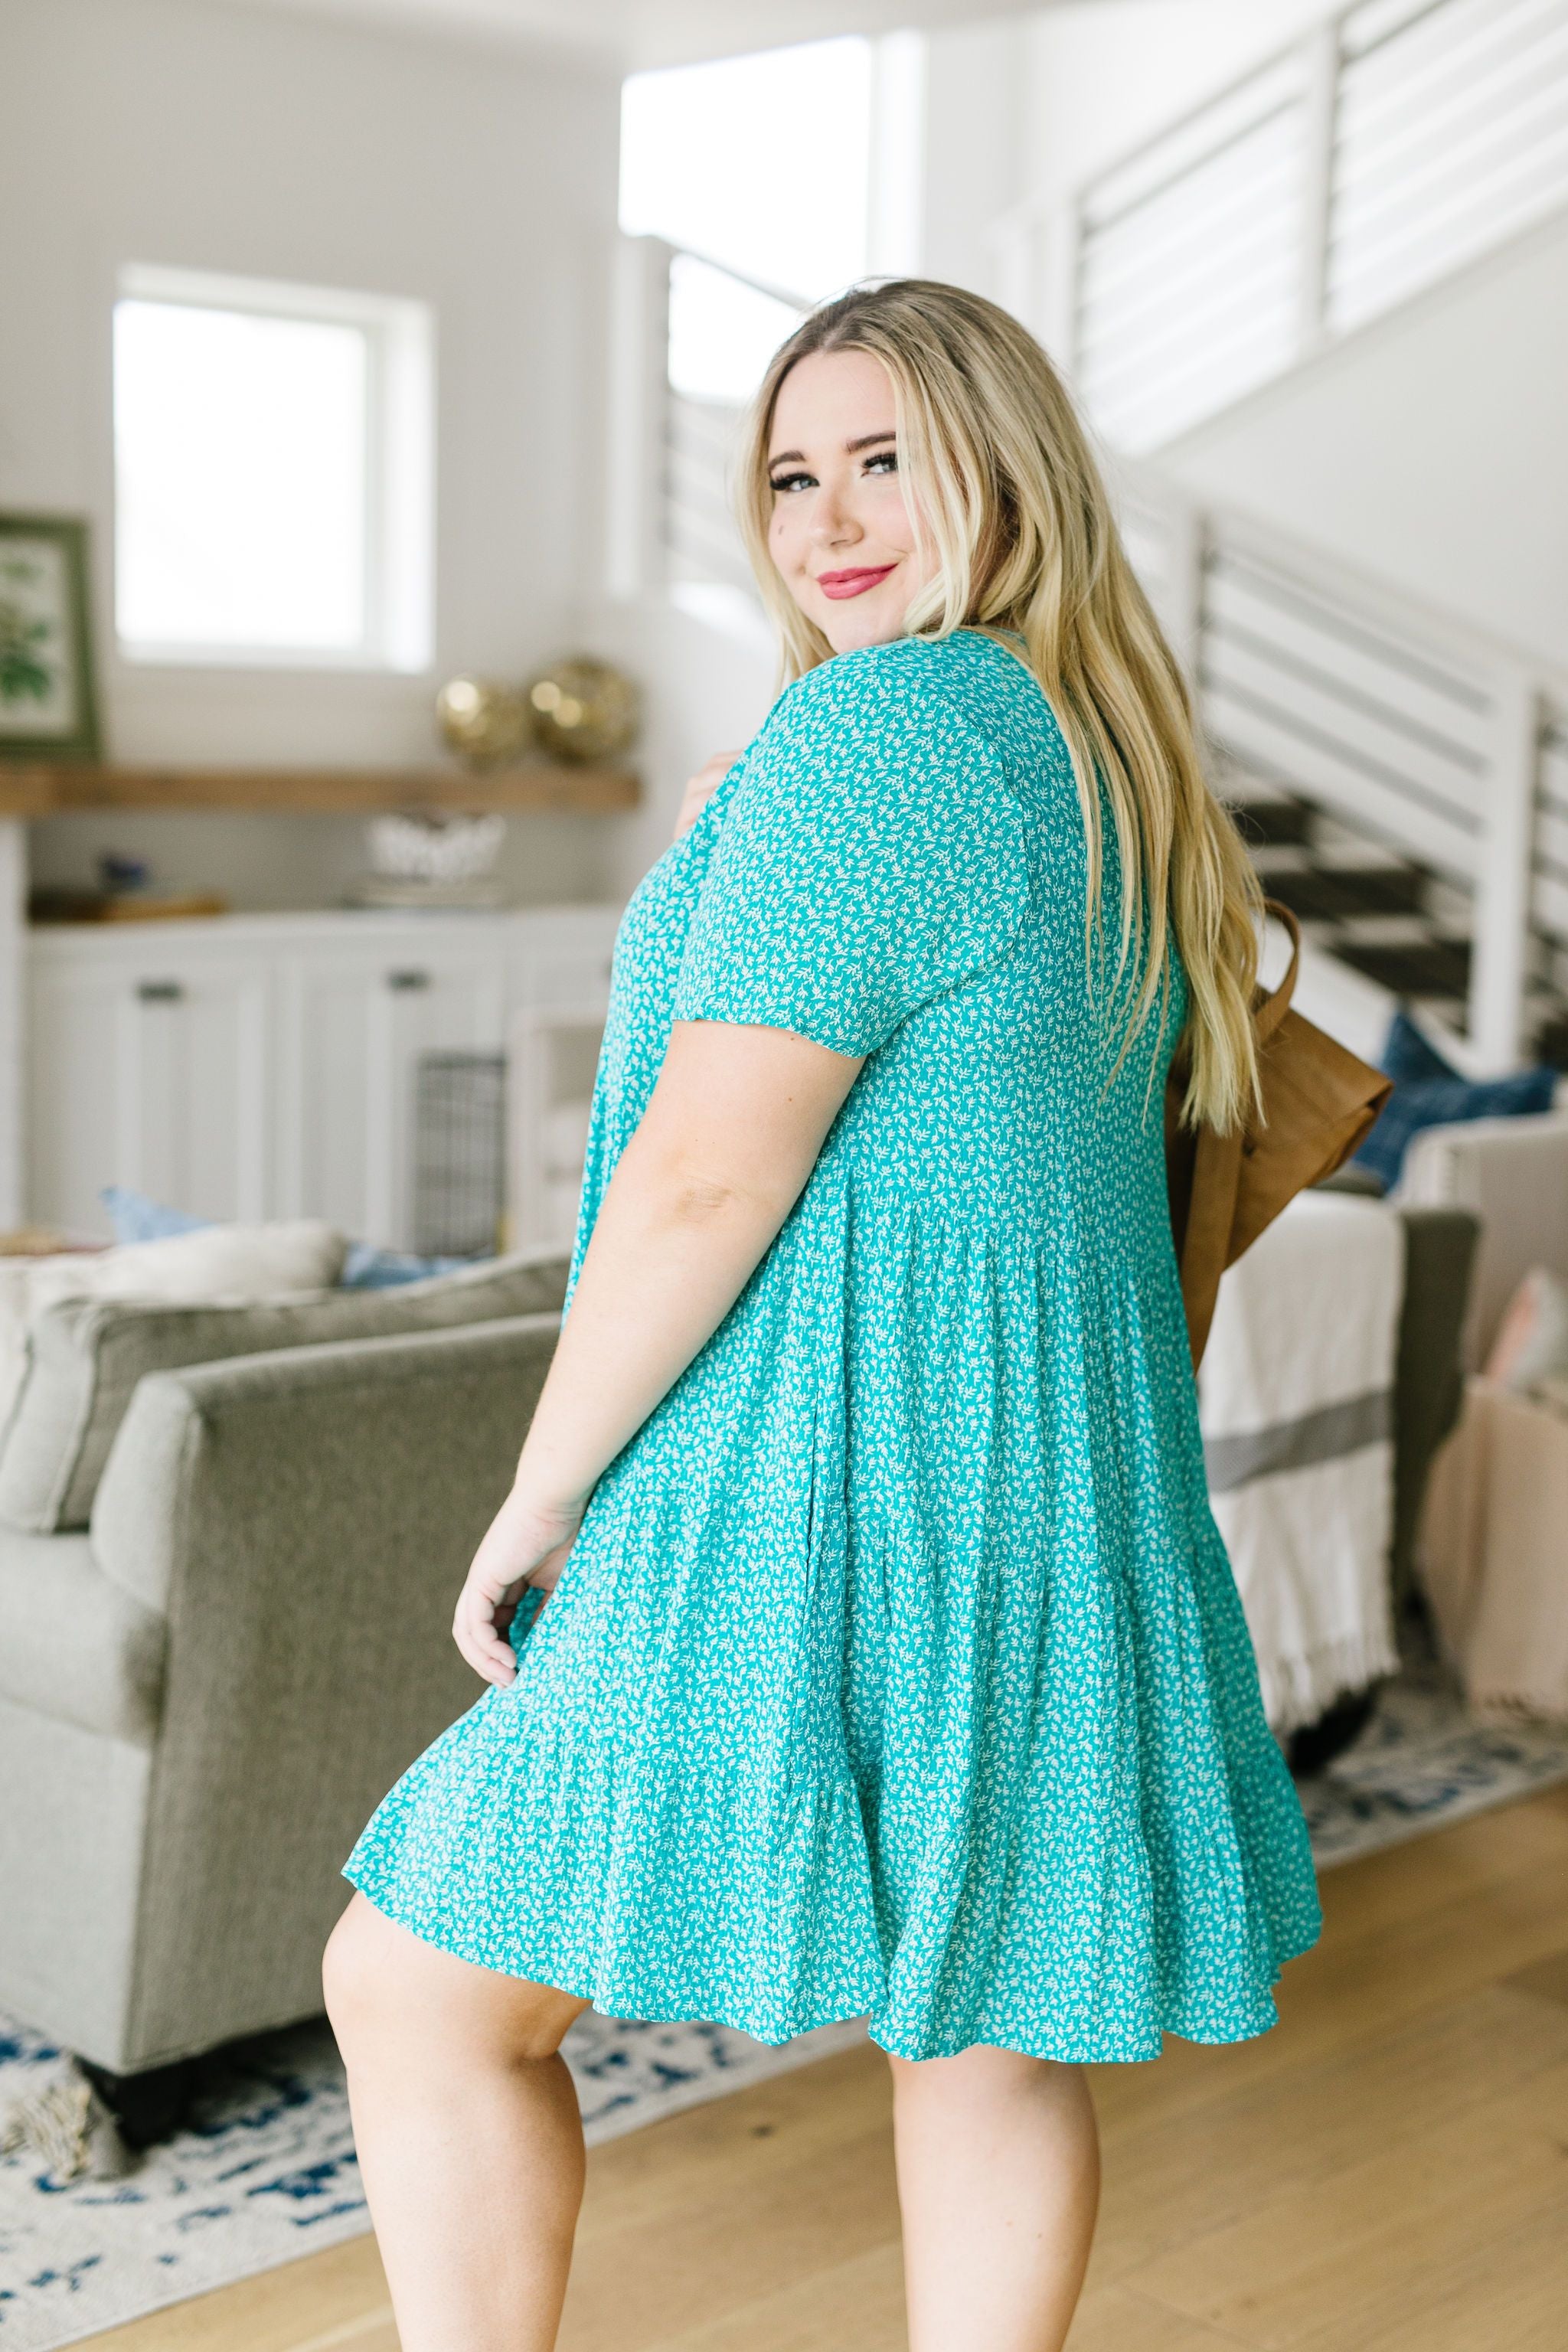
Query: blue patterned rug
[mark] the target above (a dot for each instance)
(265, 2170)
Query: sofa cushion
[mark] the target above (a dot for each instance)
(85, 1356)
(136, 1217)
(74, 1645)
(208, 1261)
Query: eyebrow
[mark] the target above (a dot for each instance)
(851, 449)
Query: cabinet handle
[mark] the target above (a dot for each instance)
(160, 992)
(407, 980)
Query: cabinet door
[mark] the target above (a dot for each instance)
(78, 1113)
(324, 1048)
(150, 1068)
(356, 1020)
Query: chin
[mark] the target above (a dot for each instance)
(848, 626)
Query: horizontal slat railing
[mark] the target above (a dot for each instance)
(1386, 150)
(1185, 289)
(1548, 868)
(673, 449)
(1400, 729)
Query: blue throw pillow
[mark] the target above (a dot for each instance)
(365, 1269)
(1430, 1092)
(135, 1218)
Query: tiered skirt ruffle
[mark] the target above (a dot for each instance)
(897, 1670)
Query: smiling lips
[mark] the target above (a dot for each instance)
(852, 584)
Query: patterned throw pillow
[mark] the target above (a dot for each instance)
(1430, 1092)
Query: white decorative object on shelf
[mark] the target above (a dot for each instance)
(432, 859)
(436, 847)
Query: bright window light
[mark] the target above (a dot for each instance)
(272, 474)
(722, 332)
(761, 163)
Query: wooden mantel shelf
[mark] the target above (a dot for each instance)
(52, 788)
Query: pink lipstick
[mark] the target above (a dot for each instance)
(854, 582)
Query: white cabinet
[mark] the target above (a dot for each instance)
(150, 1068)
(268, 1066)
(355, 1020)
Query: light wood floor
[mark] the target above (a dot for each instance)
(1385, 2172)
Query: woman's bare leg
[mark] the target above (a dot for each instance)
(469, 2135)
(998, 2161)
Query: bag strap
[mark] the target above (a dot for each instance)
(1269, 1013)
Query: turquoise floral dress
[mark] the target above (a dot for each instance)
(897, 1668)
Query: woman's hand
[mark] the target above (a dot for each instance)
(526, 1543)
(701, 789)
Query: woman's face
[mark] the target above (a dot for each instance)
(841, 535)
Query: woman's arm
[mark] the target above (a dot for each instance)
(720, 1155)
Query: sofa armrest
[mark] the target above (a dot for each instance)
(304, 1520)
(1428, 1380)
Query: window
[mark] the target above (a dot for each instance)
(273, 474)
(709, 151)
(769, 182)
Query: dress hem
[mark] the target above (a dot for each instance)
(722, 2012)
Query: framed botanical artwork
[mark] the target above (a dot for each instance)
(46, 706)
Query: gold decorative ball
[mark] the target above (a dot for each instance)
(582, 709)
(483, 721)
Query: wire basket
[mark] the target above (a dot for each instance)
(460, 1154)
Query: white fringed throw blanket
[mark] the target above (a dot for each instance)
(1296, 1398)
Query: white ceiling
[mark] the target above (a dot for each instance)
(632, 33)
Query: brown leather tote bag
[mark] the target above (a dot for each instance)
(1319, 1102)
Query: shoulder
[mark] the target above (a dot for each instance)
(881, 706)
(877, 757)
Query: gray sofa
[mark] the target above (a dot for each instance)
(205, 1691)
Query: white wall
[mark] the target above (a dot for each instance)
(1097, 78)
(289, 147)
(712, 684)
(976, 136)
(1429, 448)
(1103, 75)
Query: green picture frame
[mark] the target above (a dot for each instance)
(48, 704)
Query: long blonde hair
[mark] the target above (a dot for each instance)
(1003, 482)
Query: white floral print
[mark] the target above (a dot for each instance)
(897, 1668)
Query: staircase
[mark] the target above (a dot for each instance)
(1393, 145)
(1404, 783)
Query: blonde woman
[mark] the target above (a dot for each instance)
(893, 1663)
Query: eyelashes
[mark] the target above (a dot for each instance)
(882, 461)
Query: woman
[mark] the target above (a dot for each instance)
(892, 1662)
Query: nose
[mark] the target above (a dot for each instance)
(832, 523)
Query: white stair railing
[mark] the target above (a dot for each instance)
(1384, 150)
(691, 337)
(1405, 729)
(1549, 850)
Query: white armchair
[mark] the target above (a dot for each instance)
(1512, 1173)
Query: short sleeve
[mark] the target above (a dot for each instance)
(871, 860)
